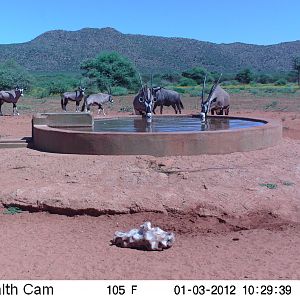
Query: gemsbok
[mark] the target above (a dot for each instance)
(144, 100)
(76, 96)
(11, 96)
(218, 101)
(163, 97)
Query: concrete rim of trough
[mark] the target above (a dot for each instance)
(50, 139)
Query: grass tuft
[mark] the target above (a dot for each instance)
(270, 186)
(12, 210)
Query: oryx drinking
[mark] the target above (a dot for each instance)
(11, 96)
(144, 100)
(76, 96)
(217, 101)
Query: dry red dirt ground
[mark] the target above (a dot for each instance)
(228, 223)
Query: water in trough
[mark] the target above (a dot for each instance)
(169, 124)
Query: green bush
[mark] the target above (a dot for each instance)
(119, 91)
(111, 69)
(287, 90)
(39, 92)
(171, 77)
(179, 90)
(254, 91)
(197, 74)
(264, 78)
(13, 75)
(271, 105)
(281, 82)
(194, 92)
(244, 76)
(58, 87)
(187, 82)
(230, 82)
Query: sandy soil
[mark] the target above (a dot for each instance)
(227, 224)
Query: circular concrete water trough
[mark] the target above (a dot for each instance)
(74, 133)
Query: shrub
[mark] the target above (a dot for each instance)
(230, 82)
(111, 69)
(58, 87)
(179, 90)
(40, 92)
(187, 82)
(244, 76)
(119, 91)
(13, 75)
(197, 74)
(194, 92)
(171, 77)
(272, 105)
(264, 78)
(281, 82)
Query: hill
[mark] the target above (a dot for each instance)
(63, 51)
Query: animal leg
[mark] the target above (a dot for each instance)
(1, 102)
(227, 111)
(178, 107)
(65, 105)
(174, 106)
(212, 111)
(154, 107)
(15, 110)
(77, 106)
(161, 109)
(101, 108)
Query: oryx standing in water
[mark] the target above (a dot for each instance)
(11, 96)
(76, 96)
(143, 101)
(217, 101)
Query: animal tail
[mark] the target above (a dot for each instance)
(62, 102)
(84, 104)
(181, 105)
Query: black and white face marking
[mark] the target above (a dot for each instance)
(148, 104)
(147, 98)
(204, 111)
(111, 99)
(81, 89)
(21, 91)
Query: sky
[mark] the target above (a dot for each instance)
(262, 22)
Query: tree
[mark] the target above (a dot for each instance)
(197, 74)
(187, 82)
(110, 69)
(296, 67)
(244, 76)
(172, 77)
(13, 75)
(264, 78)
